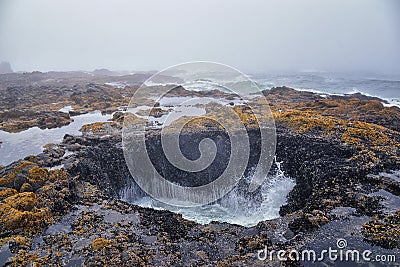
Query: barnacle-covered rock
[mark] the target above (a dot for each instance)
(384, 232)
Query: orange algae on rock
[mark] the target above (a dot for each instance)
(55, 175)
(22, 201)
(370, 140)
(24, 258)
(37, 175)
(21, 211)
(100, 127)
(20, 240)
(304, 121)
(7, 192)
(9, 177)
(48, 145)
(26, 187)
(92, 127)
(385, 232)
(100, 243)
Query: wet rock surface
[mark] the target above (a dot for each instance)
(63, 207)
(35, 99)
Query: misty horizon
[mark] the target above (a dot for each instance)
(261, 36)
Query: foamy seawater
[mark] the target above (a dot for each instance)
(274, 193)
(386, 87)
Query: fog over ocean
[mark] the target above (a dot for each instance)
(386, 87)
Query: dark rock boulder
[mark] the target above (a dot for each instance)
(5, 67)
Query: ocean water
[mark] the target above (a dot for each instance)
(274, 191)
(18, 145)
(386, 87)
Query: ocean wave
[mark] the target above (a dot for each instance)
(383, 80)
(387, 102)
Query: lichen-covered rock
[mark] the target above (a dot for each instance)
(21, 211)
(101, 243)
(384, 232)
(32, 198)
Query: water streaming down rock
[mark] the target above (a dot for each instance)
(232, 208)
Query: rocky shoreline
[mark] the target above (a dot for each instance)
(35, 99)
(63, 207)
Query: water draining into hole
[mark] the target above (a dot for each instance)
(230, 208)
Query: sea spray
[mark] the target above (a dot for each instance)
(232, 208)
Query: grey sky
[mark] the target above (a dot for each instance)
(258, 35)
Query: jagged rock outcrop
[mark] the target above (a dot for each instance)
(5, 67)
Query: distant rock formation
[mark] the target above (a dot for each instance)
(5, 67)
(104, 72)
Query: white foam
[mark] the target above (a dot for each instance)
(66, 109)
(119, 85)
(274, 191)
(392, 102)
